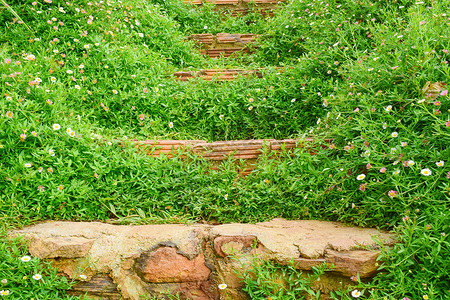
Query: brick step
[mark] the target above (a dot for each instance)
(221, 74)
(238, 3)
(265, 12)
(222, 150)
(241, 7)
(217, 74)
(223, 43)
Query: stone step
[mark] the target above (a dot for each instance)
(130, 261)
(224, 44)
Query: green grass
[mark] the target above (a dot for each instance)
(354, 72)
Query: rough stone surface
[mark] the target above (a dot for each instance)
(166, 265)
(306, 238)
(192, 260)
(67, 247)
(347, 263)
(228, 245)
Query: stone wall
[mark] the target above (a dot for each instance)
(126, 262)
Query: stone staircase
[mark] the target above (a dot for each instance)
(131, 262)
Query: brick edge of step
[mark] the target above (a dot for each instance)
(233, 2)
(220, 74)
(223, 150)
(225, 44)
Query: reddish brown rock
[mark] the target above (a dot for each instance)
(166, 265)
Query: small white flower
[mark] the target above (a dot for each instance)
(56, 126)
(293, 100)
(356, 294)
(394, 134)
(4, 292)
(141, 34)
(171, 124)
(4, 281)
(411, 163)
(360, 176)
(25, 258)
(225, 197)
(388, 108)
(404, 144)
(82, 277)
(440, 163)
(27, 165)
(222, 286)
(37, 276)
(426, 172)
(396, 172)
(384, 125)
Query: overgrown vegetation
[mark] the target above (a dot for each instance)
(26, 277)
(88, 76)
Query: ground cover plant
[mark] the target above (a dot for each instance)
(79, 79)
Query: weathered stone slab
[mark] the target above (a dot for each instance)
(350, 263)
(65, 247)
(306, 238)
(193, 260)
(347, 263)
(100, 286)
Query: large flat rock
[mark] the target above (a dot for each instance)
(194, 259)
(306, 238)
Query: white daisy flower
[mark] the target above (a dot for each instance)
(426, 172)
(25, 258)
(360, 176)
(37, 276)
(440, 163)
(356, 294)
